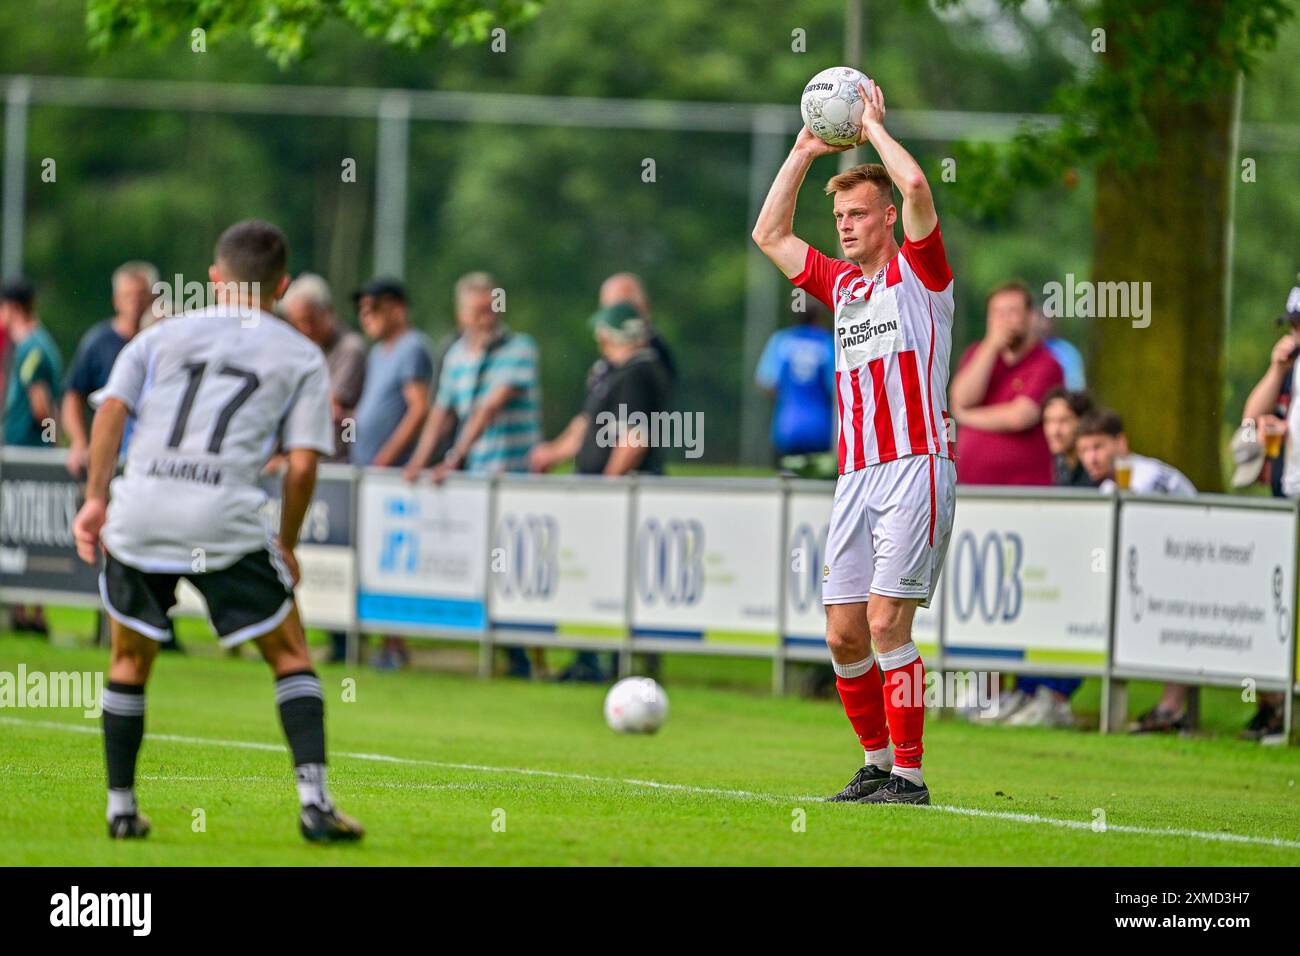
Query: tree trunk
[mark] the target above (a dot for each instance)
(1168, 225)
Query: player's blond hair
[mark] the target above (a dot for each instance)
(873, 173)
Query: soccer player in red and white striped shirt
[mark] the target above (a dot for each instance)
(895, 495)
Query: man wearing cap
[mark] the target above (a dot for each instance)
(394, 400)
(627, 287)
(395, 397)
(636, 384)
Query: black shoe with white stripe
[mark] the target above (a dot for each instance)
(327, 825)
(866, 782)
(128, 826)
(899, 790)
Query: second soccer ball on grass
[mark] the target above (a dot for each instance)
(636, 705)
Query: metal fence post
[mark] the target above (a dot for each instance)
(629, 578)
(782, 590)
(352, 640)
(17, 100)
(487, 645)
(1114, 694)
(391, 159)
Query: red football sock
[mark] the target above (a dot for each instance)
(905, 703)
(863, 697)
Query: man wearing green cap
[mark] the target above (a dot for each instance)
(635, 384)
(632, 382)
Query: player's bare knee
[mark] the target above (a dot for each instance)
(130, 661)
(891, 626)
(848, 644)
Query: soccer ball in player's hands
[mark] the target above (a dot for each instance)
(636, 705)
(832, 105)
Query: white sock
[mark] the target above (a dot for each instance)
(910, 774)
(121, 803)
(882, 758)
(311, 785)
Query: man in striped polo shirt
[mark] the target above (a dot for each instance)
(488, 398)
(488, 392)
(895, 496)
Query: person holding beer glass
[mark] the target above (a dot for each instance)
(1275, 419)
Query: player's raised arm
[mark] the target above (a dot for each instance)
(774, 231)
(919, 217)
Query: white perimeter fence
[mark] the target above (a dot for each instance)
(1059, 582)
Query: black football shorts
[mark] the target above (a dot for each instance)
(245, 600)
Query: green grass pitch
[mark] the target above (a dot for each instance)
(447, 769)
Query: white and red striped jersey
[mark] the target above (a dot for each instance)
(893, 339)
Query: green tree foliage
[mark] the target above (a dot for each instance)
(283, 28)
(1156, 118)
(553, 209)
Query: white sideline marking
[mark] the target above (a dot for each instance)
(1028, 818)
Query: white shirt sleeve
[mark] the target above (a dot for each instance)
(308, 422)
(127, 379)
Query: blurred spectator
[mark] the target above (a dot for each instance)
(133, 298)
(488, 398)
(1270, 402)
(1271, 423)
(628, 287)
(797, 368)
(1045, 701)
(1104, 450)
(488, 393)
(1062, 409)
(395, 391)
(308, 305)
(636, 383)
(31, 395)
(394, 399)
(1066, 355)
(31, 398)
(133, 295)
(997, 397)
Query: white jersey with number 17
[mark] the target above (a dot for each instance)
(213, 392)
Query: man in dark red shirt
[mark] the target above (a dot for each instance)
(997, 397)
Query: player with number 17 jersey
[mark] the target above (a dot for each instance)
(214, 392)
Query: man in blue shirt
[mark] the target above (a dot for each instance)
(797, 368)
(133, 295)
(1066, 355)
(395, 397)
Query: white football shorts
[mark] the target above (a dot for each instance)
(889, 530)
